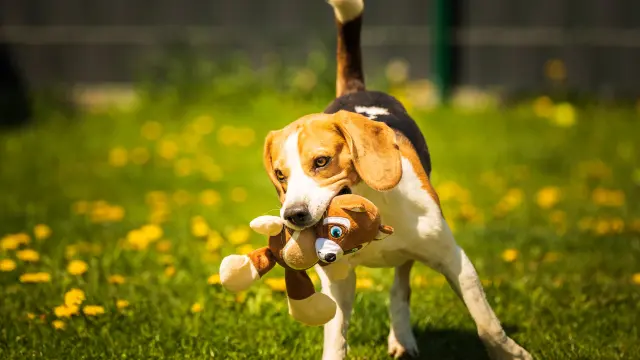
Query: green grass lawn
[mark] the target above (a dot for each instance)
(159, 192)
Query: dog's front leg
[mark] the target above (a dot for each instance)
(335, 331)
(401, 339)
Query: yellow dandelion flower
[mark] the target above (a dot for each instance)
(239, 194)
(245, 137)
(169, 271)
(239, 235)
(163, 246)
(196, 308)
(276, 284)
(602, 227)
(121, 304)
(152, 231)
(241, 297)
(617, 225)
(199, 227)
(39, 277)
(28, 255)
(364, 283)
(41, 231)
(551, 256)
(77, 267)
(419, 281)
(115, 213)
(93, 310)
(118, 157)
(585, 223)
(212, 172)
(606, 197)
(210, 258)
(636, 278)
(138, 239)
(210, 198)
(548, 197)
(214, 241)
(314, 278)
(80, 207)
(9, 242)
(7, 265)
(116, 279)
(74, 297)
(214, 279)
(244, 249)
(555, 70)
(168, 149)
(203, 124)
(31, 316)
(543, 107)
(140, 155)
(22, 238)
(166, 259)
(58, 324)
(67, 311)
(181, 197)
(564, 115)
(226, 135)
(151, 130)
(183, 167)
(510, 255)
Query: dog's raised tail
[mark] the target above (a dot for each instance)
(350, 75)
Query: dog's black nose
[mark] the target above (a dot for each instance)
(297, 215)
(330, 258)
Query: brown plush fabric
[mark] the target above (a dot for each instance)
(263, 260)
(299, 285)
(363, 216)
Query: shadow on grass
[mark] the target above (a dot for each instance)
(452, 344)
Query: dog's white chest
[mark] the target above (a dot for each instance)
(410, 210)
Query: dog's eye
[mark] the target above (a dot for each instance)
(321, 161)
(335, 232)
(280, 175)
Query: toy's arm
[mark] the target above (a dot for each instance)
(239, 272)
(267, 225)
(305, 304)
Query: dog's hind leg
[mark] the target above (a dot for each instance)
(335, 331)
(401, 339)
(444, 255)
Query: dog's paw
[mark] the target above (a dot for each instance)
(402, 346)
(507, 350)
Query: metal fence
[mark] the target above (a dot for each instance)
(500, 43)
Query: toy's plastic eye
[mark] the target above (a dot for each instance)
(335, 231)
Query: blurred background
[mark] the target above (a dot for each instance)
(131, 163)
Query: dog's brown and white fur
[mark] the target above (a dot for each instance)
(382, 156)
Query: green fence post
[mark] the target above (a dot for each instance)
(441, 51)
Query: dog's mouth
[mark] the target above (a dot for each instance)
(344, 191)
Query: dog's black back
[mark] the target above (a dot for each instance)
(397, 117)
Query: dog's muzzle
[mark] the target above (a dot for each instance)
(328, 251)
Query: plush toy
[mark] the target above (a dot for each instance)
(350, 223)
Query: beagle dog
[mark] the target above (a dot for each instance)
(365, 142)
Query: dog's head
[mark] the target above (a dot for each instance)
(321, 155)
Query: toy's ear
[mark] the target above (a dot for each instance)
(267, 225)
(383, 232)
(355, 207)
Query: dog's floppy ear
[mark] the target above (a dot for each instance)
(373, 146)
(268, 165)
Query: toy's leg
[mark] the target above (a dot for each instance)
(401, 339)
(335, 331)
(445, 256)
(305, 304)
(239, 272)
